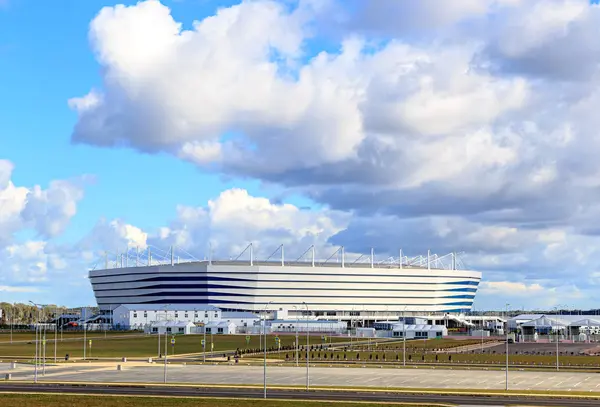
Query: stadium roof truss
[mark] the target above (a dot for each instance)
(154, 256)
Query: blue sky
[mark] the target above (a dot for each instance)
(43, 67)
(469, 127)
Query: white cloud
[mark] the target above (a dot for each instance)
(470, 126)
(13, 289)
(529, 296)
(46, 211)
(115, 236)
(235, 219)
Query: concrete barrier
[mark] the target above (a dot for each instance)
(149, 360)
(119, 367)
(13, 365)
(124, 360)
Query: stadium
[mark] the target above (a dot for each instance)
(337, 286)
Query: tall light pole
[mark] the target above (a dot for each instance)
(12, 318)
(158, 328)
(307, 347)
(166, 347)
(506, 380)
(204, 346)
(404, 337)
(84, 330)
(556, 315)
(55, 331)
(297, 321)
(265, 354)
(35, 371)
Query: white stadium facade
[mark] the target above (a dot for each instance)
(323, 288)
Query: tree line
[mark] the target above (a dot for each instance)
(23, 314)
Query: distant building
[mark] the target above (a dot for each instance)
(170, 328)
(244, 321)
(138, 316)
(420, 331)
(311, 325)
(218, 328)
(332, 286)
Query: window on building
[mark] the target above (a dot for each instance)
(195, 315)
(206, 315)
(169, 329)
(154, 329)
(135, 315)
(145, 315)
(176, 315)
(186, 315)
(180, 330)
(216, 315)
(331, 313)
(420, 334)
(208, 330)
(219, 330)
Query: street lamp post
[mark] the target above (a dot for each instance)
(204, 346)
(506, 380)
(265, 349)
(307, 348)
(557, 337)
(297, 321)
(55, 331)
(404, 337)
(12, 318)
(35, 371)
(166, 347)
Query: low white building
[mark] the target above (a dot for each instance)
(365, 332)
(311, 325)
(218, 328)
(415, 331)
(138, 316)
(244, 321)
(170, 328)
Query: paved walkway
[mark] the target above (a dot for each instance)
(319, 376)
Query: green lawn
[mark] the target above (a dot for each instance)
(30, 336)
(453, 358)
(430, 344)
(147, 345)
(24, 400)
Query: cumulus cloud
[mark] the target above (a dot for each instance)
(468, 127)
(235, 218)
(44, 212)
(115, 236)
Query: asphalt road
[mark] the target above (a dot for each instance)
(463, 400)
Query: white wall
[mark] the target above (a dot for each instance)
(312, 326)
(126, 317)
(330, 288)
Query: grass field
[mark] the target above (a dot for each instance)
(432, 344)
(453, 358)
(25, 400)
(145, 345)
(30, 336)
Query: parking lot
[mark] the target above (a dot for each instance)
(319, 376)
